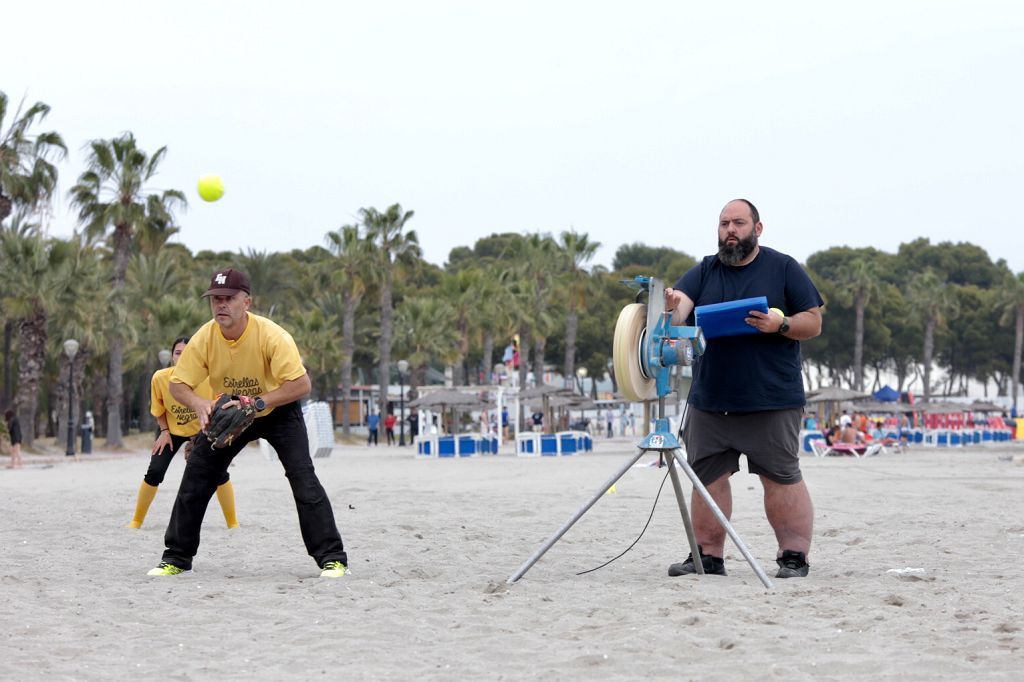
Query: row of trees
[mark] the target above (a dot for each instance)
(122, 288)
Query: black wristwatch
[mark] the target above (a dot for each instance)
(261, 405)
(784, 327)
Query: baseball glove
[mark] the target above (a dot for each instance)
(227, 423)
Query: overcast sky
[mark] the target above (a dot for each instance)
(865, 124)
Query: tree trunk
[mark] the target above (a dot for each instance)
(6, 206)
(525, 341)
(538, 359)
(99, 401)
(858, 344)
(929, 347)
(334, 401)
(488, 357)
(459, 376)
(572, 321)
(115, 365)
(147, 422)
(31, 361)
(1018, 341)
(348, 349)
(8, 384)
(384, 348)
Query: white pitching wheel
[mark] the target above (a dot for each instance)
(626, 355)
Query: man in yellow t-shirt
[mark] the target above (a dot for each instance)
(178, 424)
(243, 354)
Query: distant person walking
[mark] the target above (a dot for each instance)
(373, 424)
(14, 431)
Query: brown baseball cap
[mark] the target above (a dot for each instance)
(228, 283)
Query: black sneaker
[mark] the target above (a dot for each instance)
(792, 565)
(713, 565)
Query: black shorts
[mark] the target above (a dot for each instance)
(770, 440)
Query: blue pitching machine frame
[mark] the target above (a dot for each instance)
(647, 349)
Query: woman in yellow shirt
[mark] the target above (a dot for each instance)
(178, 424)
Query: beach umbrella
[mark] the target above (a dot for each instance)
(831, 396)
(572, 402)
(886, 394)
(874, 406)
(449, 398)
(562, 402)
(545, 392)
(541, 390)
(445, 397)
(834, 394)
(940, 407)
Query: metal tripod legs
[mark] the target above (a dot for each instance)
(573, 519)
(724, 522)
(680, 498)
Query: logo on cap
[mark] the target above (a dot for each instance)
(228, 283)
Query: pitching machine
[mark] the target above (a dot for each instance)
(647, 346)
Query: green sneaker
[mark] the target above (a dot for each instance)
(166, 569)
(333, 569)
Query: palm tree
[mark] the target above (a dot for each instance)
(492, 319)
(1011, 300)
(934, 300)
(539, 266)
(78, 315)
(26, 173)
(520, 298)
(857, 283)
(113, 195)
(272, 288)
(392, 245)
(33, 272)
(315, 335)
(462, 291)
(576, 250)
(161, 310)
(352, 258)
(425, 331)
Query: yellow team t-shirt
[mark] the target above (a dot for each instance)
(262, 359)
(181, 420)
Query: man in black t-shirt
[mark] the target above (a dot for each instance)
(747, 395)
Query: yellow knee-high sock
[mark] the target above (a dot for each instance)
(146, 494)
(226, 497)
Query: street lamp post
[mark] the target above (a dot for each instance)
(71, 350)
(403, 367)
(582, 374)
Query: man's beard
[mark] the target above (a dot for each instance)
(733, 255)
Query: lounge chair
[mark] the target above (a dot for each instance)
(856, 450)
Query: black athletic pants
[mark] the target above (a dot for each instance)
(285, 430)
(159, 462)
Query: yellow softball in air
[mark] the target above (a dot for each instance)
(777, 311)
(211, 187)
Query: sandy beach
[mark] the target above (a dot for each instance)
(916, 573)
